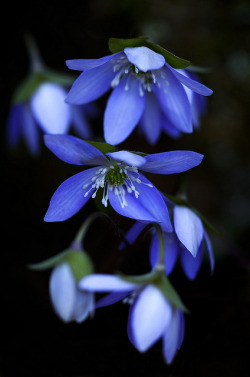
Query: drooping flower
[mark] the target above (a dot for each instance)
(38, 107)
(145, 87)
(69, 302)
(117, 174)
(151, 315)
(187, 243)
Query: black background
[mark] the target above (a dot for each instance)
(34, 342)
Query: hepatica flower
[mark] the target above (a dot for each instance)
(118, 175)
(145, 86)
(38, 106)
(151, 315)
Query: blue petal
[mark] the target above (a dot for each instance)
(74, 151)
(169, 128)
(144, 59)
(171, 162)
(188, 228)
(149, 206)
(124, 110)
(171, 337)
(190, 264)
(105, 283)
(191, 84)
(148, 317)
(30, 131)
(70, 197)
(151, 120)
(210, 251)
(171, 251)
(173, 100)
(133, 233)
(80, 122)
(111, 299)
(83, 64)
(129, 158)
(91, 84)
(14, 127)
(49, 109)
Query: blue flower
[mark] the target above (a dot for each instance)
(145, 86)
(188, 242)
(45, 111)
(151, 315)
(69, 302)
(117, 174)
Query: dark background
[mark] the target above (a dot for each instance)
(34, 342)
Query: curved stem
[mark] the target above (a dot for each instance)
(160, 266)
(36, 63)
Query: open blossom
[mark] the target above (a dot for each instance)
(187, 243)
(145, 87)
(46, 112)
(69, 302)
(118, 175)
(151, 315)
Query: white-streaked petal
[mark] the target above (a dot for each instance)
(63, 291)
(105, 283)
(129, 158)
(144, 59)
(189, 228)
(49, 109)
(148, 317)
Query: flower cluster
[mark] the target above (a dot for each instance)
(153, 89)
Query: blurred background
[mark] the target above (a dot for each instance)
(34, 342)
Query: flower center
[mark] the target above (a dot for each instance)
(123, 67)
(116, 177)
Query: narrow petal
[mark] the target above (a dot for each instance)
(70, 196)
(14, 127)
(49, 109)
(190, 264)
(149, 206)
(173, 100)
(105, 283)
(144, 59)
(148, 317)
(210, 251)
(84, 64)
(30, 131)
(129, 158)
(171, 337)
(188, 228)
(62, 289)
(84, 306)
(194, 85)
(171, 162)
(151, 120)
(112, 298)
(171, 251)
(91, 84)
(75, 151)
(133, 233)
(80, 122)
(124, 110)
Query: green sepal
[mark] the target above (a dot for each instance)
(30, 85)
(197, 69)
(117, 45)
(182, 202)
(102, 147)
(161, 281)
(78, 261)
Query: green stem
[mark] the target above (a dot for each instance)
(36, 63)
(160, 266)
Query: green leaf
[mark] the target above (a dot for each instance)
(103, 147)
(170, 58)
(117, 45)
